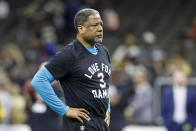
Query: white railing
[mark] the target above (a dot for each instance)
(4, 127)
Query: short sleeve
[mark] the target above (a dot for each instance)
(59, 66)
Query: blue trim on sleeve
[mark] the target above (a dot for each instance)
(92, 50)
(41, 82)
(109, 109)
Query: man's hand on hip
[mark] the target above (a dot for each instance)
(78, 113)
(107, 118)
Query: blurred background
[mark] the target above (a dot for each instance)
(152, 47)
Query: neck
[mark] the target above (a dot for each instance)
(180, 85)
(83, 42)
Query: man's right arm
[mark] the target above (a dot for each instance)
(41, 82)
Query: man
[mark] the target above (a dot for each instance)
(141, 105)
(83, 69)
(121, 92)
(179, 105)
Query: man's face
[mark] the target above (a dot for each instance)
(92, 29)
(179, 78)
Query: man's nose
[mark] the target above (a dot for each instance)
(100, 28)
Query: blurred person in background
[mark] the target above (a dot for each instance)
(158, 67)
(11, 78)
(141, 106)
(4, 9)
(150, 46)
(111, 19)
(55, 9)
(132, 64)
(5, 97)
(13, 103)
(43, 41)
(121, 91)
(128, 47)
(178, 62)
(149, 40)
(48, 37)
(13, 63)
(18, 113)
(188, 44)
(178, 104)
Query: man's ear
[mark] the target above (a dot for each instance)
(80, 29)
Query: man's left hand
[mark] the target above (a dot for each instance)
(107, 118)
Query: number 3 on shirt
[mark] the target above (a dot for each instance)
(101, 77)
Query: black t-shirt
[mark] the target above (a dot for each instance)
(84, 77)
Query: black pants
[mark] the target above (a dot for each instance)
(95, 124)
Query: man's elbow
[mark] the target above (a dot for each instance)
(33, 83)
